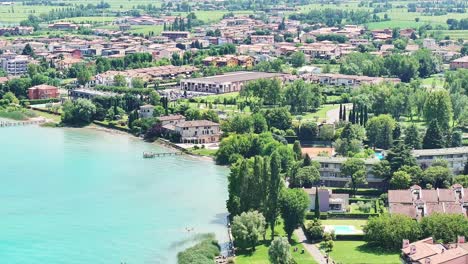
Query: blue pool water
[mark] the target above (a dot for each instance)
(343, 229)
(379, 155)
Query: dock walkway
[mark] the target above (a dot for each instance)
(20, 123)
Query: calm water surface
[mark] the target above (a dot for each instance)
(85, 196)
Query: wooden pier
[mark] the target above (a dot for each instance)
(151, 155)
(20, 123)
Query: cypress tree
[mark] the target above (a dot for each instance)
(307, 161)
(361, 121)
(344, 113)
(465, 170)
(317, 205)
(365, 115)
(341, 113)
(433, 138)
(273, 191)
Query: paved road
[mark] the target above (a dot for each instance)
(311, 248)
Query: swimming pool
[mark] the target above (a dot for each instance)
(342, 229)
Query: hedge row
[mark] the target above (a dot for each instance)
(365, 192)
(311, 215)
(352, 215)
(353, 237)
(39, 101)
(355, 200)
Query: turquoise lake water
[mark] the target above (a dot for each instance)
(85, 196)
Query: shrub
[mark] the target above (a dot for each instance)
(314, 230)
(203, 252)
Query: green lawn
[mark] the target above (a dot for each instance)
(321, 113)
(453, 34)
(357, 223)
(260, 256)
(357, 252)
(204, 152)
(56, 118)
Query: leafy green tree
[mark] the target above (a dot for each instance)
(400, 155)
(119, 80)
(456, 139)
(400, 180)
(383, 171)
(138, 82)
(302, 96)
(305, 177)
(11, 98)
(247, 229)
(279, 251)
(78, 112)
(356, 170)
(437, 176)
(293, 204)
(278, 117)
(297, 59)
(461, 179)
(438, 107)
(83, 76)
(387, 231)
(433, 138)
(380, 131)
(428, 64)
(28, 50)
(268, 90)
(259, 123)
(314, 230)
(239, 124)
(308, 131)
(297, 150)
(275, 184)
(445, 227)
(327, 246)
(412, 137)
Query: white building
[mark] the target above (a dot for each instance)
(196, 132)
(146, 111)
(14, 64)
(456, 157)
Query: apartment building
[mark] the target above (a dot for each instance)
(456, 157)
(349, 80)
(14, 64)
(330, 172)
(225, 83)
(175, 34)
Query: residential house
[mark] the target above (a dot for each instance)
(171, 119)
(427, 251)
(175, 34)
(43, 91)
(146, 111)
(328, 201)
(64, 26)
(460, 63)
(196, 132)
(262, 39)
(417, 202)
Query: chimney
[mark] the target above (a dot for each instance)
(427, 261)
(412, 249)
(405, 243)
(461, 240)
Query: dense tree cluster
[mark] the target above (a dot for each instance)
(387, 231)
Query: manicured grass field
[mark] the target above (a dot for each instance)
(453, 34)
(321, 113)
(357, 252)
(204, 152)
(260, 256)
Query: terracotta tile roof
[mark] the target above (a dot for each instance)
(400, 196)
(429, 196)
(403, 209)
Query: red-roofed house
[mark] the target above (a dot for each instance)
(43, 91)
